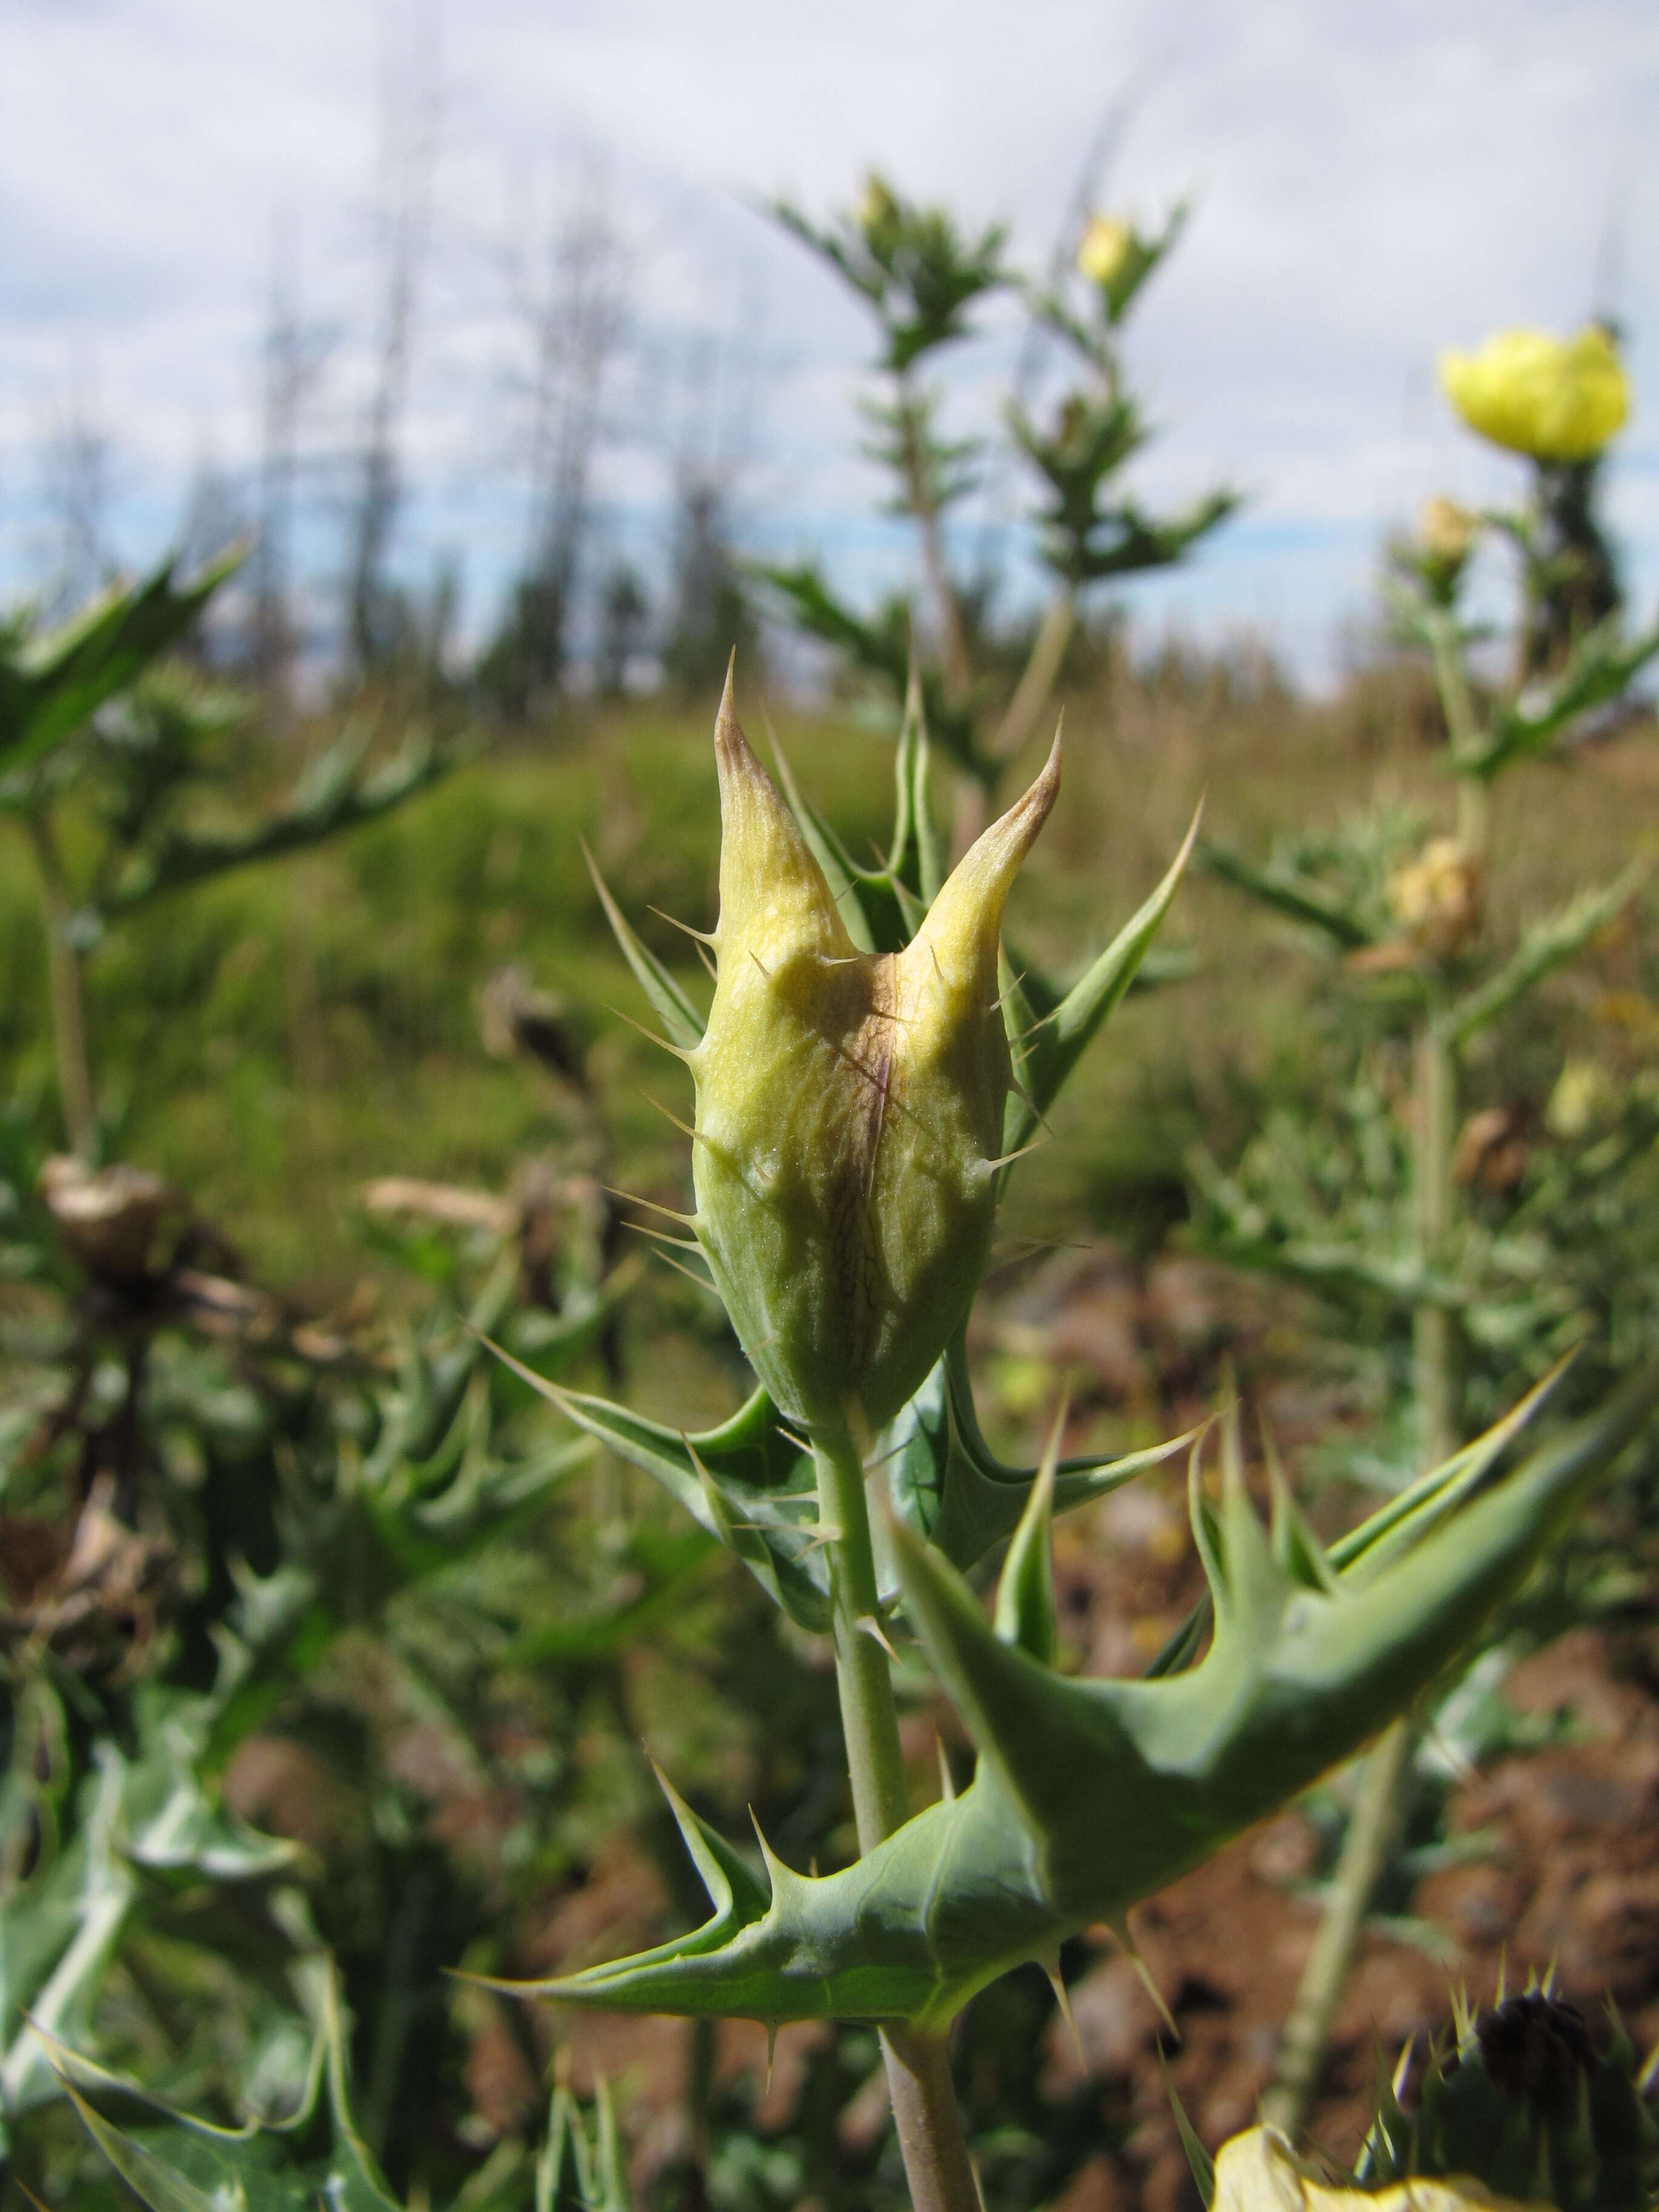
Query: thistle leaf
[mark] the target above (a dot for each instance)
(878, 911)
(331, 797)
(1546, 945)
(951, 1490)
(1027, 1616)
(1047, 1051)
(1601, 667)
(748, 1483)
(174, 2163)
(1091, 1794)
(1298, 896)
(49, 686)
(1198, 2162)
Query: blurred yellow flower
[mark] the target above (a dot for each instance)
(1446, 531)
(877, 210)
(1557, 399)
(1258, 2172)
(1438, 899)
(1107, 243)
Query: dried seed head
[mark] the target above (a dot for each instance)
(848, 1106)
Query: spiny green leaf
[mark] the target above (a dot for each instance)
(951, 1489)
(1027, 1616)
(1298, 896)
(882, 648)
(1091, 1794)
(51, 685)
(332, 798)
(1546, 945)
(1601, 667)
(877, 908)
(1046, 1050)
(750, 1483)
(683, 1024)
(175, 2163)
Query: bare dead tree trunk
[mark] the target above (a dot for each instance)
(567, 278)
(75, 485)
(409, 153)
(714, 444)
(292, 357)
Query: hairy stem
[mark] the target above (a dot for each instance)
(924, 2112)
(924, 505)
(68, 1027)
(1373, 1835)
(1041, 673)
(869, 1718)
(1434, 1345)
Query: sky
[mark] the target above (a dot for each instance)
(1370, 184)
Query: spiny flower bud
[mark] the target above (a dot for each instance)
(878, 211)
(1104, 251)
(1446, 531)
(1438, 898)
(849, 1107)
(1557, 399)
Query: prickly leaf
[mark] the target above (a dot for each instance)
(949, 1487)
(1091, 1794)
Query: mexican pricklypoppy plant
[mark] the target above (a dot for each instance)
(862, 1086)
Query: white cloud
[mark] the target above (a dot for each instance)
(1373, 182)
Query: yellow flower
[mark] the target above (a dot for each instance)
(1258, 2172)
(1108, 242)
(1557, 399)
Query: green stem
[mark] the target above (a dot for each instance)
(919, 487)
(925, 2110)
(1379, 1813)
(1040, 673)
(869, 1717)
(1374, 1831)
(1434, 1341)
(68, 1027)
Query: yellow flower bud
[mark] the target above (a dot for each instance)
(849, 1107)
(1585, 1095)
(1557, 399)
(1438, 899)
(1108, 242)
(878, 211)
(1446, 531)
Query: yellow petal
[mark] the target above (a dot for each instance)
(1556, 399)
